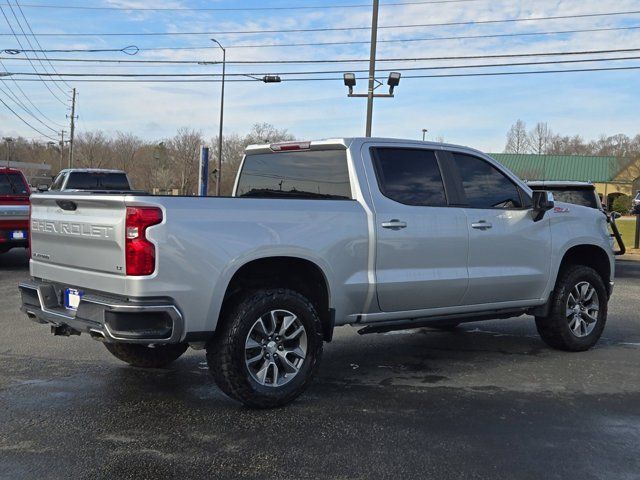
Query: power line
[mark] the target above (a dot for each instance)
(30, 44)
(25, 122)
(405, 40)
(306, 79)
(334, 29)
(236, 9)
(30, 62)
(326, 72)
(29, 99)
(320, 61)
(19, 102)
(458, 57)
(130, 49)
(44, 54)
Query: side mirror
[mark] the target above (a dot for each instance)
(615, 215)
(542, 202)
(43, 188)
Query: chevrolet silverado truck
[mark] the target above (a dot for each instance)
(14, 209)
(382, 234)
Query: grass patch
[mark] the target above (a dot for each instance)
(627, 228)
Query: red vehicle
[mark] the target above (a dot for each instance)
(14, 209)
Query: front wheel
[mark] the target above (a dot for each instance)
(146, 356)
(268, 349)
(578, 310)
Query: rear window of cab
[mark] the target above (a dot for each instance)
(13, 184)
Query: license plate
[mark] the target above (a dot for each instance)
(18, 235)
(72, 298)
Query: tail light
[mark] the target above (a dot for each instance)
(289, 146)
(140, 252)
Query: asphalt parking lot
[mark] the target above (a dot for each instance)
(488, 400)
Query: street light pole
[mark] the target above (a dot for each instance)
(7, 143)
(224, 61)
(372, 65)
(424, 132)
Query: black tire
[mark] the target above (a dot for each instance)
(226, 351)
(145, 356)
(554, 328)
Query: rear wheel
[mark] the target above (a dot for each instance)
(578, 310)
(268, 349)
(146, 356)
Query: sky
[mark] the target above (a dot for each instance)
(475, 111)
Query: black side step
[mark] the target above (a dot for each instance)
(382, 327)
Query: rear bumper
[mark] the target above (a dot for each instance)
(107, 318)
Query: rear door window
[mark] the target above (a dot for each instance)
(12, 184)
(410, 176)
(319, 174)
(484, 185)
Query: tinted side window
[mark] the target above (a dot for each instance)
(409, 176)
(484, 185)
(57, 183)
(297, 174)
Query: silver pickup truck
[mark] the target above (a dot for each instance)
(378, 233)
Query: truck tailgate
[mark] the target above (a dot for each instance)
(72, 231)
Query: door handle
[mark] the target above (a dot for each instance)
(481, 225)
(394, 224)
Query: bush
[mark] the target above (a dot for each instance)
(622, 204)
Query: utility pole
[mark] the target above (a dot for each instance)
(73, 127)
(224, 61)
(372, 65)
(61, 148)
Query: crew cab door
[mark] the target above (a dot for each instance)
(509, 252)
(421, 242)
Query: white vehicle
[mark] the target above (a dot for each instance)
(378, 233)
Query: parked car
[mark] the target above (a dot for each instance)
(91, 179)
(635, 204)
(582, 193)
(14, 209)
(383, 234)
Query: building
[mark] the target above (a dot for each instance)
(611, 176)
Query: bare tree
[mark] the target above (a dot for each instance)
(517, 138)
(184, 154)
(93, 150)
(125, 147)
(539, 138)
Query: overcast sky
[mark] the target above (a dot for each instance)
(475, 111)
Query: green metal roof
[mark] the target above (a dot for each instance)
(584, 168)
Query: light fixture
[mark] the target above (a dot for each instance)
(271, 79)
(350, 81)
(393, 81)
